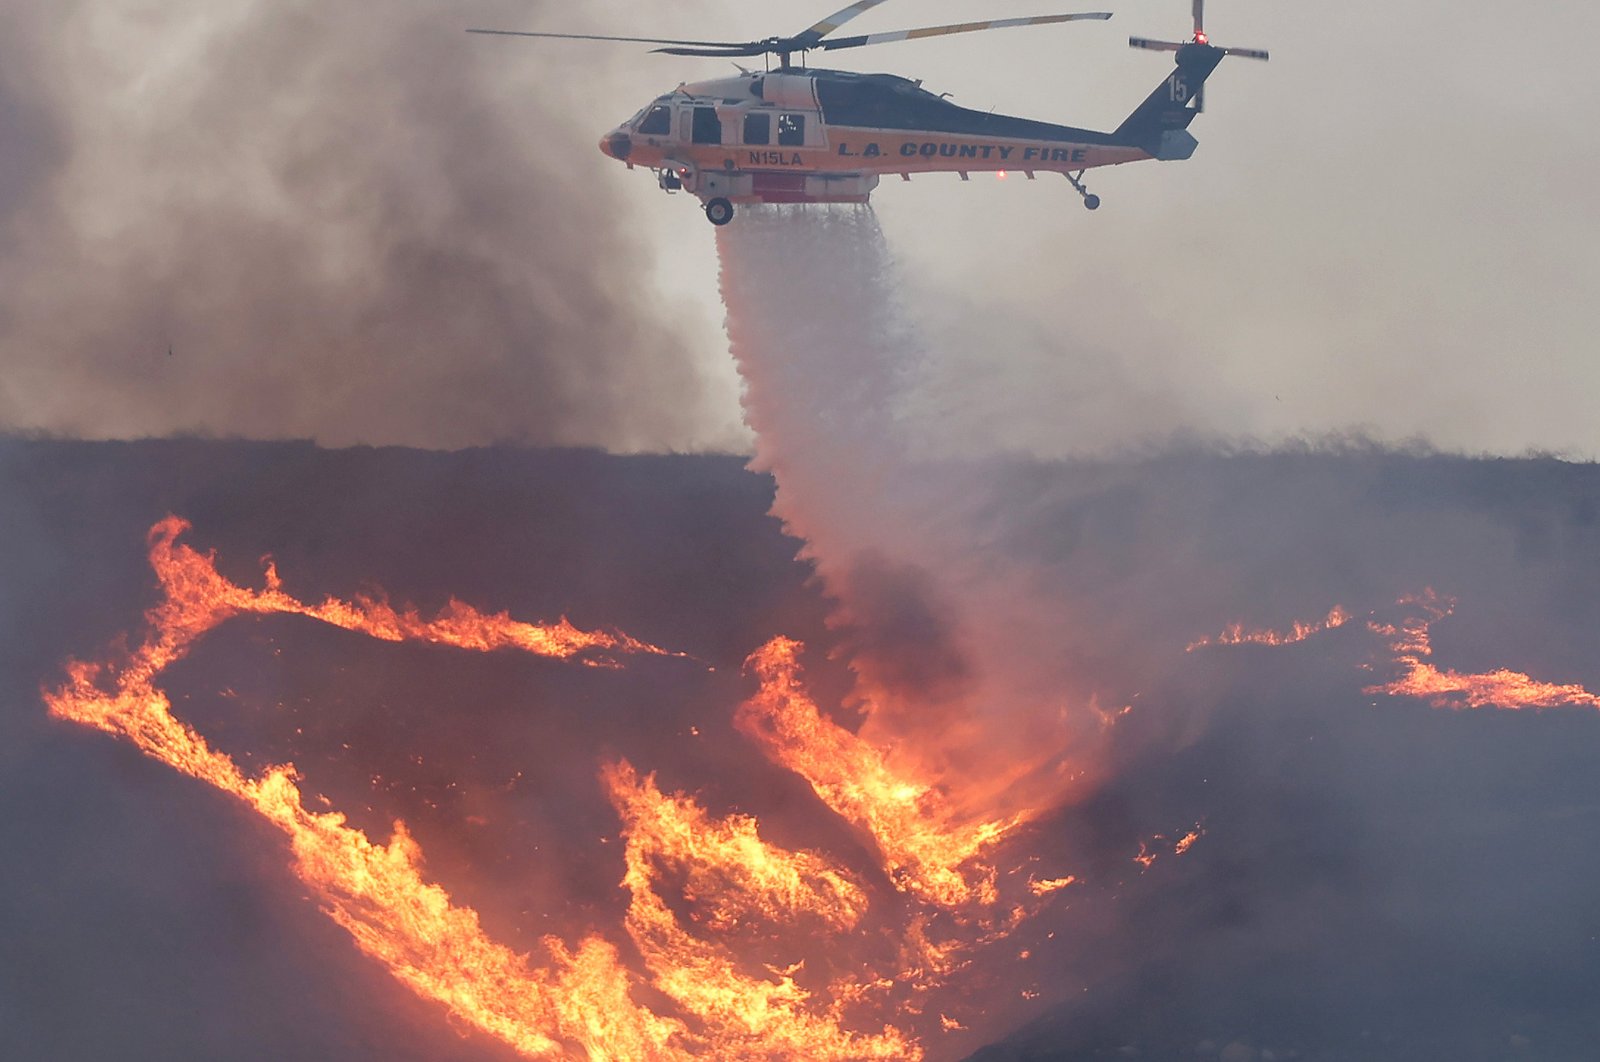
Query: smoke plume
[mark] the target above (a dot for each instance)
(354, 223)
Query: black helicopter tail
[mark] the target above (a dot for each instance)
(1160, 124)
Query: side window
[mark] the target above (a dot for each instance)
(792, 130)
(658, 122)
(707, 126)
(758, 128)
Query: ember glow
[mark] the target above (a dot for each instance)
(705, 891)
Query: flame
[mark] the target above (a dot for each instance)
(1049, 885)
(1237, 634)
(582, 999)
(376, 892)
(1151, 850)
(706, 893)
(1500, 688)
(701, 887)
(1409, 640)
(1187, 841)
(926, 850)
(728, 868)
(736, 874)
(198, 598)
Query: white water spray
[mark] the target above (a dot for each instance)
(952, 643)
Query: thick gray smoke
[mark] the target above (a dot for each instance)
(351, 222)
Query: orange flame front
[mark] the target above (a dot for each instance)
(1409, 641)
(737, 875)
(697, 883)
(1412, 643)
(926, 851)
(1238, 634)
(198, 598)
(376, 892)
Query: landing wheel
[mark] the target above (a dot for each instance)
(1090, 200)
(719, 211)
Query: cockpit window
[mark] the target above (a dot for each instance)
(658, 122)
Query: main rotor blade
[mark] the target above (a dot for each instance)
(959, 27)
(721, 51)
(809, 36)
(599, 37)
(1154, 46)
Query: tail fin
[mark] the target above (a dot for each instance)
(1169, 108)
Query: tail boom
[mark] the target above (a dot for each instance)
(1160, 124)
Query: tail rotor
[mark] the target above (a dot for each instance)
(1200, 39)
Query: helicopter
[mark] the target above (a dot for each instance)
(800, 135)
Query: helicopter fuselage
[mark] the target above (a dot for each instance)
(821, 136)
(798, 135)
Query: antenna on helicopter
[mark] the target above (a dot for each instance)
(814, 37)
(1199, 38)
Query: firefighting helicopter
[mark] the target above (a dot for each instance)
(801, 135)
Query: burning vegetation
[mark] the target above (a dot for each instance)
(1004, 792)
(880, 916)
(1405, 633)
(697, 882)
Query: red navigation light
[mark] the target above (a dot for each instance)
(1000, 174)
(1200, 37)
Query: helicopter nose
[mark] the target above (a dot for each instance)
(618, 145)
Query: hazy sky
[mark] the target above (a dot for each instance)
(365, 226)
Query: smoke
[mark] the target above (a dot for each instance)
(960, 661)
(353, 223)
(1266, 859)
(1005, 618)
